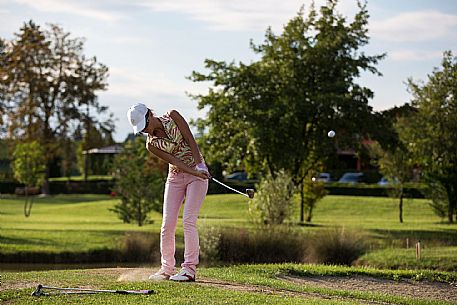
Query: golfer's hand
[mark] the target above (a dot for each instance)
(203, 174)
(202, 168)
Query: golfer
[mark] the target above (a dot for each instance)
(170, 138)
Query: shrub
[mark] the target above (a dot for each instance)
(140, 247)
(335, 246)
(139, 183)
(313, 191)
(235, 245)
(209, 246)
(272, 204)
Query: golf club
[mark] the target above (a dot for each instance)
(249, 192)
(39, 291)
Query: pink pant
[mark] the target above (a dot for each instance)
(178, 186)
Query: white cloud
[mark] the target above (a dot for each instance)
(71, 7)
(240, 15)
(416, 26)
(128, 86)
(134, 84)
(414, 55)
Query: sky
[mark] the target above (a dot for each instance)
(151, 47)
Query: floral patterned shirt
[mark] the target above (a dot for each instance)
(174, 144)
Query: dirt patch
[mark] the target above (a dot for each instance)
(275, 291)
(17, 285)
(142, 274)
(417, 290)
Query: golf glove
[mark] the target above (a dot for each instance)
(201, 167)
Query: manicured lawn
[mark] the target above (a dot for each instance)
(81, 223)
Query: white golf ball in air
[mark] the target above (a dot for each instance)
(331, 134)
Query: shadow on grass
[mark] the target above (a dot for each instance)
(308, 224)
(70, 199)
(138, 247)
(437, 238)
(48, 235)
(25, 241)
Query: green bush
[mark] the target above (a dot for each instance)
(335, 246)
(139, 183)
(272, 204)
(235, 245)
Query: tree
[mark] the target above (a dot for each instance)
(384, 131)
(392, 157)
(47, 84)
(28, 166)
(430, 134)
(274, 114)
(397, 166)
(139, 183)
(313, 192)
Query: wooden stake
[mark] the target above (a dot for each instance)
(418, 250)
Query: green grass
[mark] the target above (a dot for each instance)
(81, 223)
(444, 258)
(262, 277)
(78, 223)
(62, 223)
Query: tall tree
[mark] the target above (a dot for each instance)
(2, 90)
(275, 113)
(431, 134)
(48, 84)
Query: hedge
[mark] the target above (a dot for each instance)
(372, 190)
(66, 187)
(103, 186)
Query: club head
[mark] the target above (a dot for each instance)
(250, 193)
(38, 291)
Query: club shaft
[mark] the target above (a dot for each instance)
(230, 188)
(97, 290)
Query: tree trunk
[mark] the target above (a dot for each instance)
(140, 216)
(302, 203)
(452, 208)
(86, 165)
(45, 189)
(309, 214)
(449, 212)
(452, 201)
(400, 206)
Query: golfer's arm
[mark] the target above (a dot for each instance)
(187, 135)
(169, 158)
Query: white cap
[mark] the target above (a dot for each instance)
(136, 116)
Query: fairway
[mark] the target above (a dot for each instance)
(83, 223)
(79, 224)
